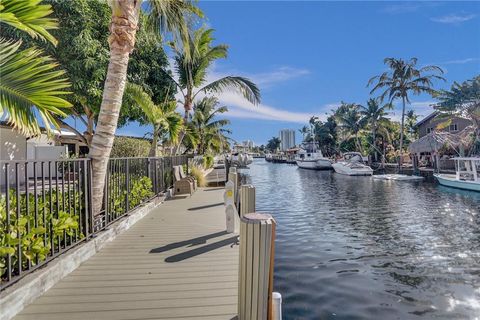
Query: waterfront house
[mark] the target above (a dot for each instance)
(433, 122)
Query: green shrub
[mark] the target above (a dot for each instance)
(208, 161)
(36, 237)
(130, 147)
(141, 189)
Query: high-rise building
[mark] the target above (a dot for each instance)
(287, 139)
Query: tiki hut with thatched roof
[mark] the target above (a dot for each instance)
(438, 143)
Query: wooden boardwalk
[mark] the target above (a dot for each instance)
(175, 263)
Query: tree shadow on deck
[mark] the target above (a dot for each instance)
(195, 242)
(198, 251)
(206, 206)
(188, 243)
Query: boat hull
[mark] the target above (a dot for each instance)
(342, 169)
(451, 181)
(314, 164)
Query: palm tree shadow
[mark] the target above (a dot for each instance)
(198, 251)
(189, 243)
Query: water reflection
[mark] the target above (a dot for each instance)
(359, 248)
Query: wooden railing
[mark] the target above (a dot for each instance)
(256, 299)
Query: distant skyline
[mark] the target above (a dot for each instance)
(307, 57)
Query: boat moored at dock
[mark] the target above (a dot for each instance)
(466, 177)
(310, 157)
(352, 165)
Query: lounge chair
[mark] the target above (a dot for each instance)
(181, 186)
(184, 176)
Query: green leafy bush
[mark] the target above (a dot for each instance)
(208, 161)
(130, 147)
(37, 231)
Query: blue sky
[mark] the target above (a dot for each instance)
(308, 56)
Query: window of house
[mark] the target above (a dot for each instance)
(453, 127)
(429, 130)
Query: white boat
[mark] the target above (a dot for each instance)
(352, 165)
(241, 159)
(467, 174)
(310, 158)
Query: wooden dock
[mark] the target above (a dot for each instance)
(176, 263)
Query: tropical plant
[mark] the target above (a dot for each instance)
(163, 117)
(192, 61)
(31, 83)
(210, 130)
(349, 120)
(326, 135)
(130, 147)
(411, 124)
(164, 16)
(273, 144)
(402, 80)
(373, 114)
(304, 131)
(463, 100)
(197, 173)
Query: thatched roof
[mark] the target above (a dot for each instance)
(438, 140)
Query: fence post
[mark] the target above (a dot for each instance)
(247, 199)
(127, 183)
(257, 250)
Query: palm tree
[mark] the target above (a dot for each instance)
(30, 82)
(373, 114)
(403, 79)
(211, 131)
(163, 15)
(463, 100)
(410, 124)
(304, 131)
(192, 61)
(350, 120)
(163, 117)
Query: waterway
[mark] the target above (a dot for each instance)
(359, 248)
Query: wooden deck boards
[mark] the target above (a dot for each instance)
(175, 263)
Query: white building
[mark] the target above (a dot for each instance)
(248, 144)
(287, 139)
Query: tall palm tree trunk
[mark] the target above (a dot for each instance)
(123, 28)
(400, 158)
(375, 153)
(153, 147)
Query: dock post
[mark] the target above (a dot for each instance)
(247, 199)
(257, 250)
(233, 176)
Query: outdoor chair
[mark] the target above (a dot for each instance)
(181, 186)
(191, 178)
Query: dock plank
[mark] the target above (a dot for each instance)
(175, 263)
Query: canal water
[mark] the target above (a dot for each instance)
(359, 248)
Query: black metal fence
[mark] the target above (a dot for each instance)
(44, 210)
(45, 206)
(132, 181)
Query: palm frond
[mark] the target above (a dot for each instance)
(244, 86)
(29, 16)
(30, 83)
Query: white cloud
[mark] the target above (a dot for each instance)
(241, 108)
(408, 7)
(461, 61)
(453, 18)
(422, 108)
(279, 75)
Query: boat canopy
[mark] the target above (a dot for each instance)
(467, 158)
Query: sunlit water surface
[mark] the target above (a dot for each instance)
(358, 248)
